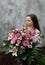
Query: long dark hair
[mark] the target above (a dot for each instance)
(35, 20)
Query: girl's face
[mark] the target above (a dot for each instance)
(29, 22)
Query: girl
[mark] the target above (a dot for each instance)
(32, 25)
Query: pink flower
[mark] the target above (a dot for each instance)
(18, 35)
(18, 41)
(26, 43)
(32, 32)
(11, 35)
(20, 38)
(27, 35)
(13, 40)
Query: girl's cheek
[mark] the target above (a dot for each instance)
(27, 23)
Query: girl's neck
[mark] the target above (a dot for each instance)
(29, 28)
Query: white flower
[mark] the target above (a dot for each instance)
(14, 54)
(14, 51)
(13, 30)
(36, 38)
(9, 38)
(4, 44)
(29, 46)
(10, 50)
(17, 44)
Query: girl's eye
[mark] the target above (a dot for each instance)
(28, 20)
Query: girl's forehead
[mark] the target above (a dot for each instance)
(28, 18)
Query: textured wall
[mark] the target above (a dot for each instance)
(13, 13)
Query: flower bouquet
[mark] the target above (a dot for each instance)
(21, 42)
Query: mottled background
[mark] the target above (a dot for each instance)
(13, 14)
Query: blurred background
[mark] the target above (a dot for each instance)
(13, 14)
